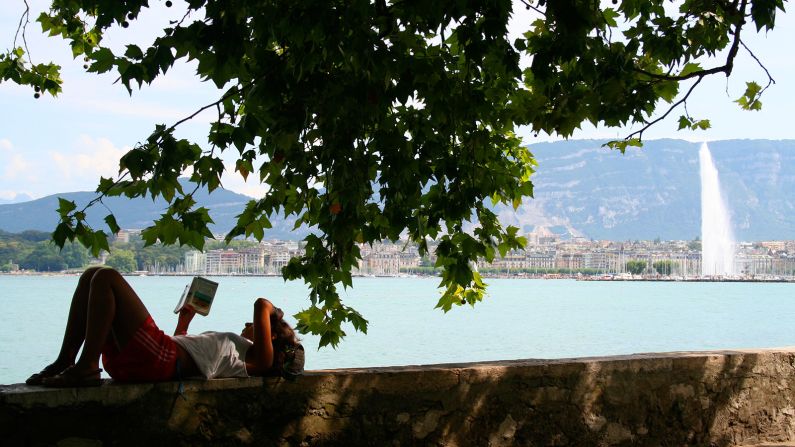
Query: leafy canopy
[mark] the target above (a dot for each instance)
(369, 120)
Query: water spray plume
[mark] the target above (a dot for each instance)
(717, 238)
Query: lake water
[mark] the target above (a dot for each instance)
(520, 318)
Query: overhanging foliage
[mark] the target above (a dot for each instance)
(369, 120)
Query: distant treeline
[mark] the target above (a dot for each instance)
(33, 250)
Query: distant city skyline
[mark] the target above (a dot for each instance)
(50, 145)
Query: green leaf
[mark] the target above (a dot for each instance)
(684, 122)
(667, 90)
(690, 67)
(104, 61)
(134, 52)
(110, 219)
(99, 243)
(359, 323)
(750, 99)
(623, 144)
(703, 124)
(65, 207)
(450, 296)
(62, 233)
(609, 15)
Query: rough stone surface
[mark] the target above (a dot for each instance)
(736, 398)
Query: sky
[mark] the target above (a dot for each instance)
(50, 145)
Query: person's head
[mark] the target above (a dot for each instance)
(283, 335)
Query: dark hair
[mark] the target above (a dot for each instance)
(286, 342)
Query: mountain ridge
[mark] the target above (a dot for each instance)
(580, 187)
(40, 214)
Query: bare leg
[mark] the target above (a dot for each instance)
(76, 323)
(75, 330)
(112, 303)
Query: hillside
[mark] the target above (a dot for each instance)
(580, 188)
(40, 214)
(655, 191)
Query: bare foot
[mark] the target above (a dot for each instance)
(50, 370)
(74, 377)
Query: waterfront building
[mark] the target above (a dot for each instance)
(124, 236)
(380, 264)
(387, 259)
(277, 261)
(776, 246)
(540, 260)
(784, 266)
(223, 262)
(514, 259)
(597, 260)
(253, 260)
(753, 264)
(570, 261)
(195, 262)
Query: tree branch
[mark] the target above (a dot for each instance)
(639, 133)
(227, 95)
(527, 5)
(24, 19)
(700, 74)
(725, 68)
(770, 79)
(103, 194)
(695, 74)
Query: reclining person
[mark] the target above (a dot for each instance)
(108, 319)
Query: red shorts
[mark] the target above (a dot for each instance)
(150, 356)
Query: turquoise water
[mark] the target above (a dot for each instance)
(520, 319)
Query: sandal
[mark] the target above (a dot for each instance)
(49, 371)
(71, 378)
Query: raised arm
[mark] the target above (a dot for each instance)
(186, 315)
(259, 358)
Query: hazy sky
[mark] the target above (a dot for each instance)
(51, 145)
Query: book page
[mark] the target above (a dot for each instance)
(182, 299)
(201, 295)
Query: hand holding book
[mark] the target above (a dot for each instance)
(186, 315)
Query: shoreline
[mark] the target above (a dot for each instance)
(551, 276)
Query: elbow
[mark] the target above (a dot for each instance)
(262, 304)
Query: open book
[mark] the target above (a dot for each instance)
(199, 295)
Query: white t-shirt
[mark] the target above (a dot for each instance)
(217, 354)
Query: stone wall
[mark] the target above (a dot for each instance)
(673, 399)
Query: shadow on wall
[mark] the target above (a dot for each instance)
(709, 399)
(646, 401)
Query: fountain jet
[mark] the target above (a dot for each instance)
(717, 238)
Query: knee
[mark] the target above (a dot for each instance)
(88, 274)
(104, 275)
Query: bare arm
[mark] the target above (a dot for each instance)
(259, 358)
(186, 315)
